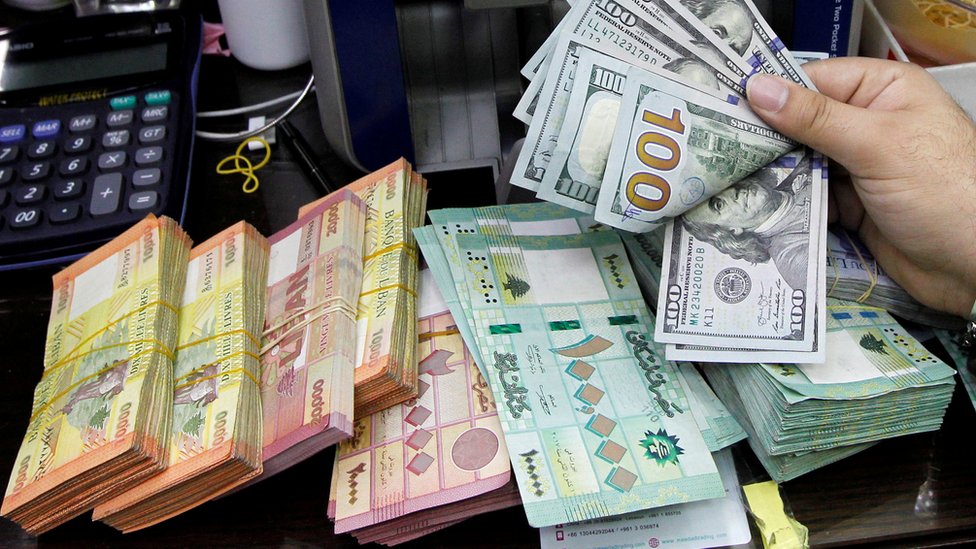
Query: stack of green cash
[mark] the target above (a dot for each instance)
(596, 422)
(102, 411)
(215, 443)
(614, 77)
(878, 382)
(854, 275)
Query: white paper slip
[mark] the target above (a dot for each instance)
(696, 525)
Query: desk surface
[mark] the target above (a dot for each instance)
(911, 491)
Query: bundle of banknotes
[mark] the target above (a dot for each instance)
(637, 115)
(433, 461)
(636, 108)
(309, 345)
(595, 421)
(102, 413)
(878, 382)
(386, 329)
(215, 440)
(854, 275)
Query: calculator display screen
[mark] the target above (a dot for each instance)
(35, 73)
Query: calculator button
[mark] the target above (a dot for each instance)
(122, 102)
(146, 176)
(117, 138)
(9, 134)
(41, 149)
(154, 114)
(159, 97)
(78, 144)
(35, 171)
(111, 160)
(9, 153)
(46, 128)
(148, 155)
(106, 191)
(3, 197)
(72, 188)
(119, 118)
(63, 213)
(31, 194)
(82, 123)
(152, 134)
(143, 200)
(74, 166)
(6, 175)
(26, 218)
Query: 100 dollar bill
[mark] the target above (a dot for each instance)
(622, 32)
(741, 270)
(576, 168)
(673, 148)
(745, 30)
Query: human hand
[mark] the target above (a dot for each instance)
(911, 154)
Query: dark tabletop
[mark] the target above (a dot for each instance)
(912, 491)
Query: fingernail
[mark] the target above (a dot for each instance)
(766, 92)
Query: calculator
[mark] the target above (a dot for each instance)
(96, 130)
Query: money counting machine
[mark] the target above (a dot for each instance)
(435, 81)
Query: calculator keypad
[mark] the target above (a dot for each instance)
(100, 164)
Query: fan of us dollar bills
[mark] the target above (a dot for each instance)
(637, 115)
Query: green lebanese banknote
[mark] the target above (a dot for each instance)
(438, 243)
(596, 422)
(718, 427)
(868, 354)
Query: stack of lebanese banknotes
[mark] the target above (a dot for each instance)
(854, 275)
(637, 114)
(878, 382)
(102, 412)
(215, 440)
(433, 461)
(309, 345)
(595, 421)
(386, 317)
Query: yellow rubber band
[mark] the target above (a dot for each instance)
(251, 181)
(253, 339)
(214, 363)
(857, 307)
(432, 335)
(228, 372)
(74, 385)
(199, 369)
(833, 264)
(872, 276)
(69, 358)
(164, 349)
(390, 287)
(412, 251)
(333, 304)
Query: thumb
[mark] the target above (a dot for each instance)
(841, 131)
